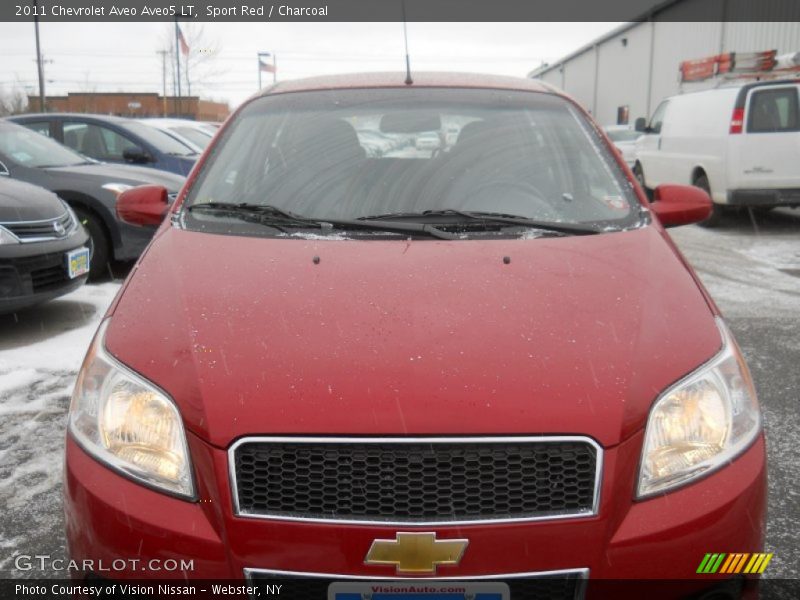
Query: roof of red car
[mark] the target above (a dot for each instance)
(397, 79)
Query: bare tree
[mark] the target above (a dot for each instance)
(12, 102)
(196, 68)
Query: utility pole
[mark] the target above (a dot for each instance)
(42, 106)
(163, 54)
(178, 70)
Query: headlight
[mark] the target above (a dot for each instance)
(129, 424)
(117, 188)
(701, 423)
(6, 237)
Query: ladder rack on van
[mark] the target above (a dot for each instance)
(732, 67)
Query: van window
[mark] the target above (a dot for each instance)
(773, 111)
(657, 120)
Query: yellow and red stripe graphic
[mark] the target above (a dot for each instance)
(734, 563)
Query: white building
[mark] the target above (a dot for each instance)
(631, 69)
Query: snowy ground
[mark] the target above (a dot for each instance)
(752, 272)
(40, 353)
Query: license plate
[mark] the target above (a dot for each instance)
(418, 590)
(77, 262)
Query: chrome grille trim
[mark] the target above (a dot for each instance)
(417, 440)
(41, 230)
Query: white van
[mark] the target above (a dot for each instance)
(741, 144)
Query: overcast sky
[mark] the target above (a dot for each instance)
(109, 57)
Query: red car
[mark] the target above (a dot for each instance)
(485, 364)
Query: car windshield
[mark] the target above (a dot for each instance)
(359, 153)
(623, 135)
(163, 142)
(198, 137)
(32, 149)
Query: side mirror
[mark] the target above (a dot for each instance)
(137, 156)
(681, 205)
(640, 124)
(143, 205)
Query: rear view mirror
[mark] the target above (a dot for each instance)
(640, 124)
(136, 155)
(681, 205)
(410, 122)
(143, 205)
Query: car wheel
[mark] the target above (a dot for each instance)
(98, 240)
(638, 172)
(717, 212)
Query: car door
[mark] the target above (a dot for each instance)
(769, 150)
(648, 148)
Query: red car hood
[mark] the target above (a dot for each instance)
(577, 335)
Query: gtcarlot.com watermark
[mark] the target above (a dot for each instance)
(44, 562)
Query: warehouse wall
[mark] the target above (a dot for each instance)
(674, 43)
(579, 78)
(645, 71)
(622, 74)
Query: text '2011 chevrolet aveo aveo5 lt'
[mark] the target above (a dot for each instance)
(482, 360)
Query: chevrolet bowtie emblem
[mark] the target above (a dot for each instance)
(416, 552)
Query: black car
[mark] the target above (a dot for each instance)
(114, 140)
(90, 188)
(44, 250)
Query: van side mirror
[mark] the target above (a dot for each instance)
(676, 205)
(640, 124)
(143, 205)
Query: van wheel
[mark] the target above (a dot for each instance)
(638, 172)
(98, 241)
(717, 212)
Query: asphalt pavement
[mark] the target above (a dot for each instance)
(750, 266)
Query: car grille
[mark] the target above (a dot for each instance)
(33, 274)
(563, 586)
(401, 480)
(39, 231)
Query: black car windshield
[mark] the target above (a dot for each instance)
(31, 149)
(359, 153)
(163, 142)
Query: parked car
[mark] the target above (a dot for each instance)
(44, 250)
(194, 134)
(90, 188)
(428, 140)
(624, 138)
(741, 144)
(114, 140)
(491, 363)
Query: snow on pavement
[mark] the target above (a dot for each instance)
(41, 350)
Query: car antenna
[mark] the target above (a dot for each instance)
(408, 81)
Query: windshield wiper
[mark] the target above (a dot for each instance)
(273, 216)
(492, 217)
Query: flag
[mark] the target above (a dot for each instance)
(263, 65)
(182, 41)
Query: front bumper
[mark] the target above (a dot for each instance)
(36, 272)
(109, 518)
(764, 198)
